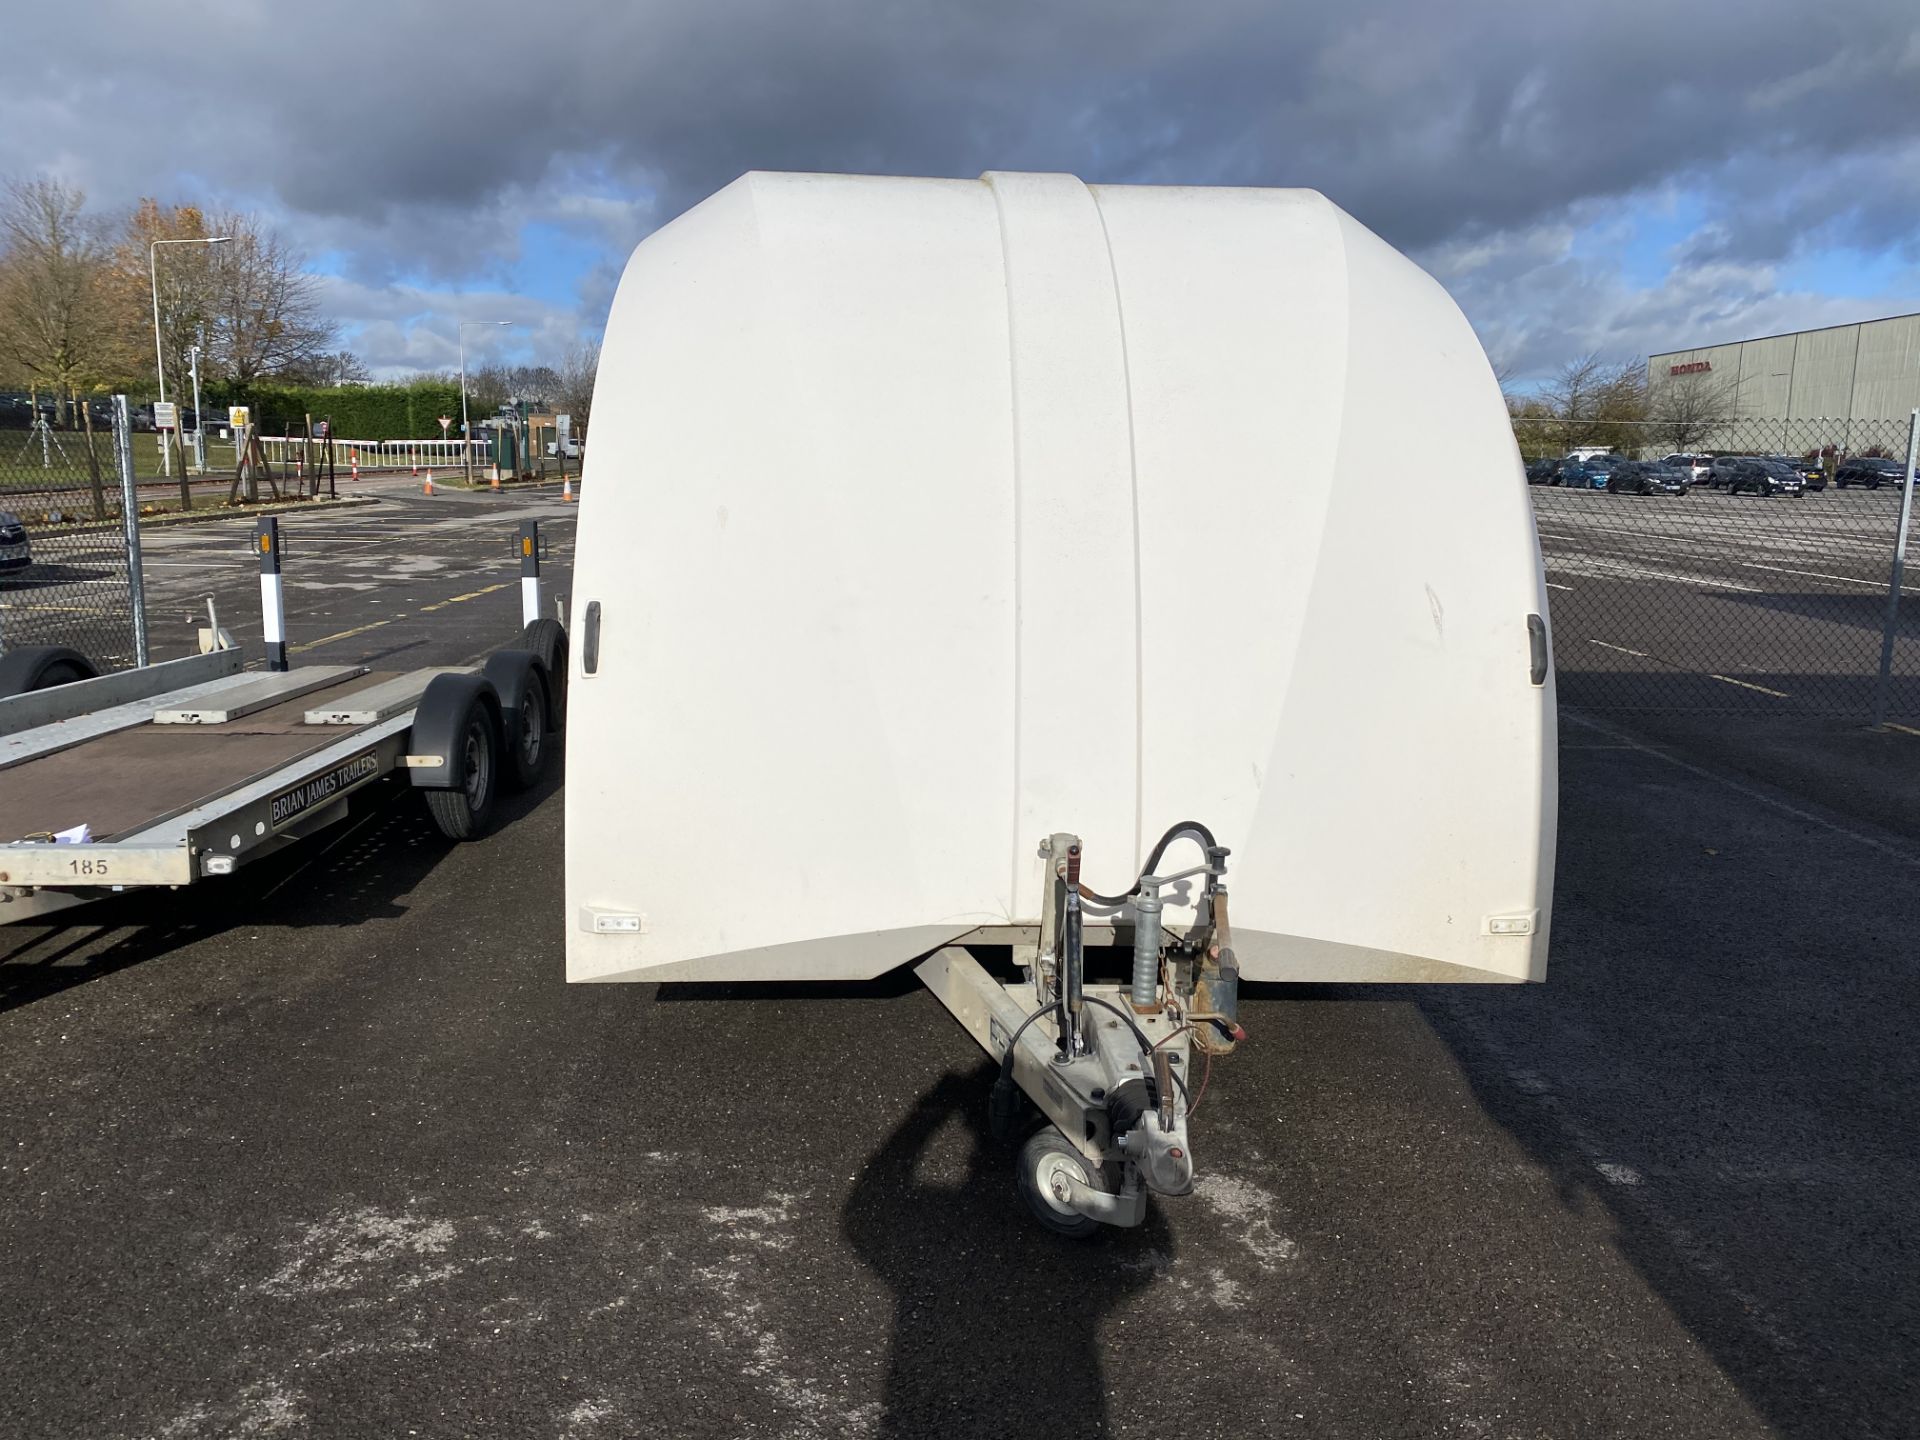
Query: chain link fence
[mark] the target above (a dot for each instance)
(68, 575)
(1759, 583)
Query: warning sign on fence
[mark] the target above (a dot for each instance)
(166, 415)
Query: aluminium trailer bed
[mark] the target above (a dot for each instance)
(191, 768)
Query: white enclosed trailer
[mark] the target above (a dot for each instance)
(941, 535)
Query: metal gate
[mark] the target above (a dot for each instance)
(69, 540)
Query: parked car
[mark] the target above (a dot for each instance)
(1872, 471)
(1812, 471)
(1540, 472)
(1693, 464)
(1580, 475)
(15, 552)
(1757, 475)
(1646, 477)
(1725, 467)
(573, 448)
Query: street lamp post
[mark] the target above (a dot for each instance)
(199, 424)
(153, 284)
(466, 434)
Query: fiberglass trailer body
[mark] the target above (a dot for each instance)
(943, 536)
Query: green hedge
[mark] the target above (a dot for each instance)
(359, 412)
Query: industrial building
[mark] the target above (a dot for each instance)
(1865, 376)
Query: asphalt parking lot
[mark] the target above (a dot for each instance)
(400, 582)
(1738, 603)
(1744, 631)
(331, 1150)
(413, 580)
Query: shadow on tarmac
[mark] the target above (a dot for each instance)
(1747, 694)
(970, 1272)
(1865, 609)
(358, 870)
(1722, 1060)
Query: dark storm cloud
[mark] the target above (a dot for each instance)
(414, 140)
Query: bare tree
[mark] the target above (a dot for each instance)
(250, 303)
(1688, 409)
(181, 279)
(1573, 396)
(1623, 391)
(488, 388)
(530, 384)
(334, 368)
(574, 375)
(1597, 402)
(57, 321)
(266, 305)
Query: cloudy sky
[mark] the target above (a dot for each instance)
(1622, 177)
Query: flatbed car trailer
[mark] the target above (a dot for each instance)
(188, 769)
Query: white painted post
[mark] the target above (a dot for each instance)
(529, 571)
(272, 604)
(1890, 626)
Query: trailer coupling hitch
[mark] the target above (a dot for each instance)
(1160, 1152)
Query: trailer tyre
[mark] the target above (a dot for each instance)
(462, 813)
(528, 735)
(40, 667)
(1044, 1160)
(545, 638)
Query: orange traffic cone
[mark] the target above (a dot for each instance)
(429, 485)
(566, 487)
(493, 480)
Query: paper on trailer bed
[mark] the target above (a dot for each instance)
(929, 517)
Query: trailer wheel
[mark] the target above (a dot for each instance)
(527, 735)
(545, 638)
(1044, 1159)
(462, 813)
(40, 667)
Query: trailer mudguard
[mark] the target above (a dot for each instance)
(435, 758)
(507, 672)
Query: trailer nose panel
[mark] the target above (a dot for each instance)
(929, 518)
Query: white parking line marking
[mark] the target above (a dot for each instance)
(1588, 722)
(1822, 575)
(1621, 648)
(1748, 685)
(1622, 570)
